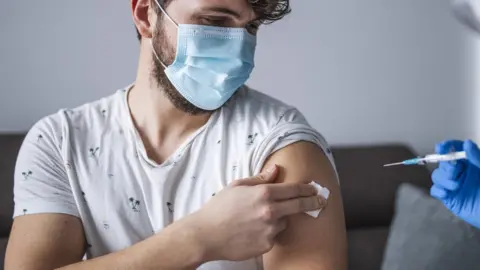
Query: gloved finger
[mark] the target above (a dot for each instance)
(440, 179)
(449, 146)
(438, 192)
(473, 153)
(452, 170)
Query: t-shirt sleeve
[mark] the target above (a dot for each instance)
(41, 184)
(291, 128)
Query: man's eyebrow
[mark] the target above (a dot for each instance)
(222, 10)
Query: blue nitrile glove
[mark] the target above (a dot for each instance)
(457, 184)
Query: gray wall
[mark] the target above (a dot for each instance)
(473, 71)
(369, 71)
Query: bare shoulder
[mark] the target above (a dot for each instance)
(309, 243)
(45, 241)
(303, 162)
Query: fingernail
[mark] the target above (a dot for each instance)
(322, 201)
(271, 168)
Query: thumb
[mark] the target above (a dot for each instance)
(265, 177)
(473, 153)
(448, 146)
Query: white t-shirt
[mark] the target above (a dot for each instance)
(90, 162)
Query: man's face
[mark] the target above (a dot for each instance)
(224, 13)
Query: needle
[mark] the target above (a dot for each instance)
(393, 164)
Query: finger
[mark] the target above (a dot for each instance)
(449, 146)
(441, 179)
(299, 205)
(285, 191)
(473, 153)
(438, 192)
(453, 170)
(267, 176)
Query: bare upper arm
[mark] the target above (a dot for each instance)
(309, 243)
(44, 241)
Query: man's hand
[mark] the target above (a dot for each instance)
(457, 184)
(242, 221)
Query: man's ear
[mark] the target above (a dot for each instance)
(140, 10)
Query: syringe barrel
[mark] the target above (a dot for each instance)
(446, 157)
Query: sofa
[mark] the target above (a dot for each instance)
(368, 193)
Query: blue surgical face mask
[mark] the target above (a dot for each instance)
(211, 63)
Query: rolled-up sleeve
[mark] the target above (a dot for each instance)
(291, 128)
(41, 182)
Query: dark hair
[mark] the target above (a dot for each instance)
(267, 11)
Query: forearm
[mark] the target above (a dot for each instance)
(177, 247)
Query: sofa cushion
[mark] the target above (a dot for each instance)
(365, 248)
(3, 248)
(368, 188)
(425, 235)
(9, 145)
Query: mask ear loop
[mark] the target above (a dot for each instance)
(151, 40)
(165, 13)
(156, 55)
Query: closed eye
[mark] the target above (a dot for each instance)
(215, 21)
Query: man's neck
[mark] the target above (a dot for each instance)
(161, 125)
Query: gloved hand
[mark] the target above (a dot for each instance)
(457, 184)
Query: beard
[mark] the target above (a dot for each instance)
(166, 53)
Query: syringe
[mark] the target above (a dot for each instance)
(433, 158)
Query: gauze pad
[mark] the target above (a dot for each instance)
(324, 192)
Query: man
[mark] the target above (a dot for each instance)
(144, 179)
(457, 184)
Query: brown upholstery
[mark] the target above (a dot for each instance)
(368, 193)
(3, 247)
(368, 188)
(365, 247)
(9, 146)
